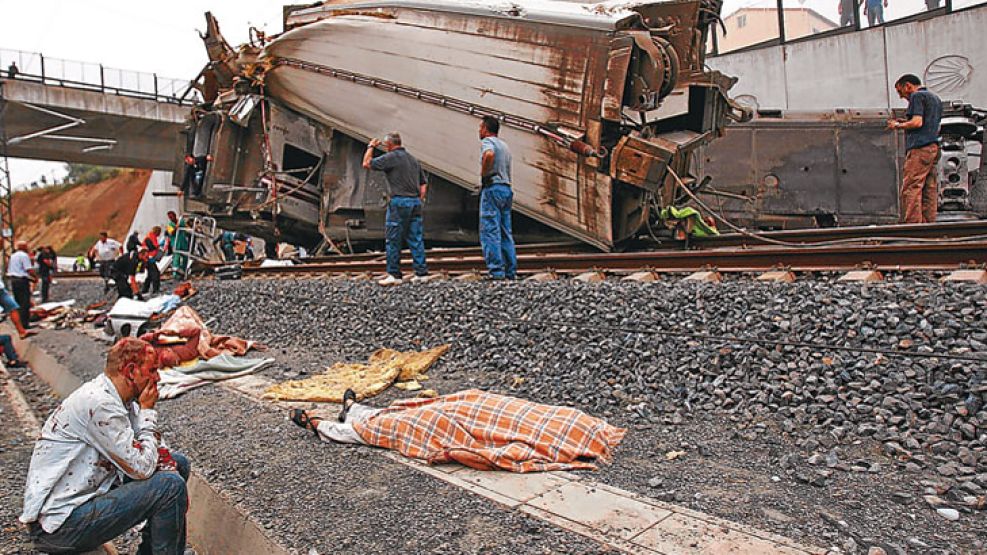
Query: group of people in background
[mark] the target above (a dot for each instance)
(121, 265)
(873, 10)
(17, 306)
(407, 187)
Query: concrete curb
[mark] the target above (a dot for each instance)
(208, 512)
(60, 379)
(30, 423)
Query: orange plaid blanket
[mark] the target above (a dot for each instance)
(487, 431)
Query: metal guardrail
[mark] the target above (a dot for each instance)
(35, 67)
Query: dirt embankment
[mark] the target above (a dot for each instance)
(70, 218)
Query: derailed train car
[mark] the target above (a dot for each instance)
(603, 112)
(791, 170)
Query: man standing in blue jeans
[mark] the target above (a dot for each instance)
(874, 10)
(406, 187)
(100, 466)
(496, 197)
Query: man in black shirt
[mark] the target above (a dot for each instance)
(124, 269)
(47, 262)
(919, 185)
(133, 242)
(406, 187)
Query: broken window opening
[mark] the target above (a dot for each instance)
(300, 164)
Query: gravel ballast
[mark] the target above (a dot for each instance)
(841, 448)
(15, 456)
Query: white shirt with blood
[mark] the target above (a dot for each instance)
(86, 447)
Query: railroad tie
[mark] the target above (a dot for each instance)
(777, 276)
(969, 276)
(706, 276)
(647, 276)
(595, 276)
(862, 276)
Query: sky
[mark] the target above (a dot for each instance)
(150, 36)
(161, 37)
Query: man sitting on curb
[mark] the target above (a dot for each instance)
(100, 467)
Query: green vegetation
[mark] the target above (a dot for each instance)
(78, 246)
(52, 217)
(84, 174)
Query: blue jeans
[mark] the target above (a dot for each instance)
(403, 223)
(875, 14)
(7, 301)
(161, 500)
(8, 347)
(496, 236)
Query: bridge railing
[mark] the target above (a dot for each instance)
(34, 66)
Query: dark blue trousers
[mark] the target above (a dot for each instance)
(496, 236)
(161, 500)
(403, 224)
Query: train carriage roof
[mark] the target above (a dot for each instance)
(606, 16)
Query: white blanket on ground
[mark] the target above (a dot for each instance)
(178, 380)
(144, 309)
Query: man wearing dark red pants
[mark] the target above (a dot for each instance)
(919, 186)
(100, 467)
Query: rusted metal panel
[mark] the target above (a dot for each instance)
(810, 168)
(618, 60)
(530, 79)
(638, 162)
(567, 87)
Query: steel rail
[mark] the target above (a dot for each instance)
(837, 258)
(938, 230)
(442, 252)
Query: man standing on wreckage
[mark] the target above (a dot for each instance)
(100, 466)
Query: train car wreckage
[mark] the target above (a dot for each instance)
(603, 109)
(792, 170)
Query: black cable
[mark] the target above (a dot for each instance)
(816, 244)
(504, 317)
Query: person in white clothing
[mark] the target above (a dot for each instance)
(105, 251)
(100, 467)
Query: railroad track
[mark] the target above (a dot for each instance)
(887, 257)
(939, 247)
(862, 234)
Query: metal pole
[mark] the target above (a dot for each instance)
(781, 21)
(856, 15)
(155, 86)
(6, 204)
(949, 6)
(102, 79)
(42, 67)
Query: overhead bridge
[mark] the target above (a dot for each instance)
(53, 109)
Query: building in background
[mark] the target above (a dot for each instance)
(754, 25)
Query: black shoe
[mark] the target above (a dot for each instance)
(302, 418)
(349, 398)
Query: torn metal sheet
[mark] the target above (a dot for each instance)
(568, 87)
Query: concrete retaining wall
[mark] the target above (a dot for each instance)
(153, 210)
(858, 70)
